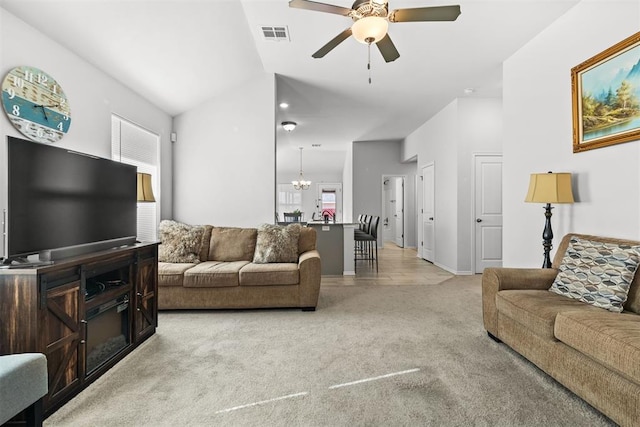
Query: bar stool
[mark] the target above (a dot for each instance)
(366, 243)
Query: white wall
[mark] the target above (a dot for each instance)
(538, 135)
(372, 160)
(347, 186)
(449, 140)
(436, 141)
(224, 159)
(93, 97)
(480, 131)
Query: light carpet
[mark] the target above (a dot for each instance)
(369, 355)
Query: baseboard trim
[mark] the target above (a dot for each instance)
(453, 271)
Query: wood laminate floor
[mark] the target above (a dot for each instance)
(397, 266)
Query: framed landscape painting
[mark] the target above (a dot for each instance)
(606, 97)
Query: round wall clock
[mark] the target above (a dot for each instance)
(36, 104)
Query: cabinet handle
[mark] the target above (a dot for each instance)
(83, 321)
(139, 294)
(83, 342)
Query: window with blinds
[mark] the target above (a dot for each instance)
(139, 147)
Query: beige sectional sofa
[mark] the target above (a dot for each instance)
(226, 277)
(592, 351)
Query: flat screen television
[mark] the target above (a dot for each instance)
(60, 199)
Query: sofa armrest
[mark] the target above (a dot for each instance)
(310, 272)
(498, 279)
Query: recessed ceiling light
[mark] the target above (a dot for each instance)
(284, 105)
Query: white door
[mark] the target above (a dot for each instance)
(399, 211)
(488, 210)
(386, 222)
(329, 201)
(428, 212)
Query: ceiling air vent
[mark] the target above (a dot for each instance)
(277, 34)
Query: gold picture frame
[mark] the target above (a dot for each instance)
(605, 93)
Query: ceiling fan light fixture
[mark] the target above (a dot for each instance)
(370, 29)
(289, 126)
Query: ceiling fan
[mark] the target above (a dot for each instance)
(371, 21)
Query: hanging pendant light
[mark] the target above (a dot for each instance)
(301, 184)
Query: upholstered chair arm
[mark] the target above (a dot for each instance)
(498, 279)
(310, 272)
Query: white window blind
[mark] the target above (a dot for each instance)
(139, 147)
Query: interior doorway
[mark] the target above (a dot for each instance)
(488, 211)
(393, 210)
(428, 212)
(329, 202)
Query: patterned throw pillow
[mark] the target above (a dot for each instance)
(180, 242)
(597, 273)
(276, 243)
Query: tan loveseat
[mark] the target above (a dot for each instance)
(226, 277)
(592, 351)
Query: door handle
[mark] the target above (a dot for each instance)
(430, 218)
(478, 220)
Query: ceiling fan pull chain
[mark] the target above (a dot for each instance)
(369, 61)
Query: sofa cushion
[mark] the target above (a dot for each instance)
(204, 246)
(180, 242)
(610, 338)
(307, 240)
(276, 243)
(269, 274)
(213, 274)
(536, 309)
(597, 273)
(232, 244)
(172, 274)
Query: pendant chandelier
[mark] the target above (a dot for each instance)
(301, 184)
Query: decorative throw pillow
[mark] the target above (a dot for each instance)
(597, 273)
(276, 243)
(180, 242)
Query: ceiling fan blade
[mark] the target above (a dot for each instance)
(388, 49)
(320, 7)
(333, 43)
(421, 14)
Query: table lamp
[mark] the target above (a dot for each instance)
(549, 188)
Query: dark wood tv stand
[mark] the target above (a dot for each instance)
(48, 309)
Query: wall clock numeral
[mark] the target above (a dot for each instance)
(12, 93)
(16, 110)
(18, 82)
(28, 76)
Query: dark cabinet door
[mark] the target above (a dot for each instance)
(62, 338)
(146, 312)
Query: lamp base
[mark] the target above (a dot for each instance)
(547, 237)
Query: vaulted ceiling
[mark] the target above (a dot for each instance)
(180, 53)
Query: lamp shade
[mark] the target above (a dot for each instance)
(145, 191)
(550, 188)
(370, 29)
